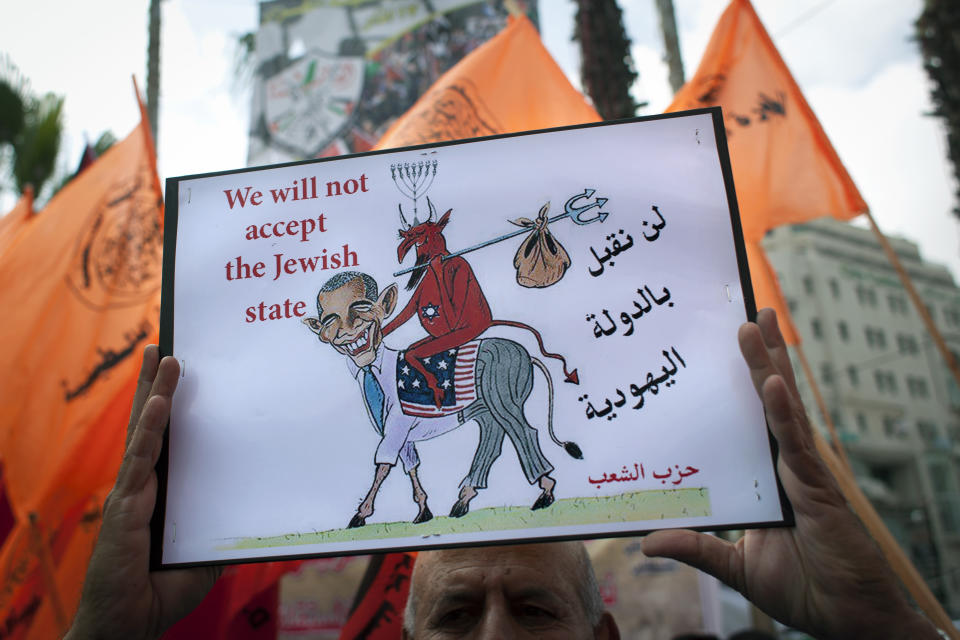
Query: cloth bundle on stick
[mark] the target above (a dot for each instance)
(540, 261)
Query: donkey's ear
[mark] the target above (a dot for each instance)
(313, 323)
(444, 219)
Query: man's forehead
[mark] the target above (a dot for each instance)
(343, 296)
(463, 564)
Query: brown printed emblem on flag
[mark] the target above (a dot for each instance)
(450, 112)
(116, 262)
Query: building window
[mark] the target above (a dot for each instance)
(876, 338)
(862, 423)
(891, 427)
(898, 304)
(917, 387)
(808, 284)
(866, 296)
(927, 431)
(837, 418)
(826, 374)
(835, 288)
(954, 431)
(854, 376)
(907, 344)
(945, 496)
(816, 328)
(792, 305)
(952, 316)
(886, 382)
(843, 331)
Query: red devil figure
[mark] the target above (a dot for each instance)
(448, 299)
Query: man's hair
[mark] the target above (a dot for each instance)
(587, 588)
(342, 278)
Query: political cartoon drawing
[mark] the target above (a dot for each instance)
(572, 370)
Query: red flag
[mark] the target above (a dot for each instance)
(379, 613)
(241, 606)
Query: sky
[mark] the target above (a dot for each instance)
(854, 60)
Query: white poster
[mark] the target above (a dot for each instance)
(530, 336)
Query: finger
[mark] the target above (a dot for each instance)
(141, 456)
(699, 550)
(148, 372)
(756, 355)
(790, 427)
(777, 347)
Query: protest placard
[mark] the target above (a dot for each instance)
(527, 336)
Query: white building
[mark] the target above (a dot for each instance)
(894, 402)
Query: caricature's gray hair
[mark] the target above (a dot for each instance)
(587, 588)
(342, 278)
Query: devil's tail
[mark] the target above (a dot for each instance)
(570, 376)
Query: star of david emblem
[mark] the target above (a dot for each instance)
(430, 312)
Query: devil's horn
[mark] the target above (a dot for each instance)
(433, 210)
(403, 220)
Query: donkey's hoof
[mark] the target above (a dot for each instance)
(459, 509)
(356, 521)
(423, 516)
(543, 501)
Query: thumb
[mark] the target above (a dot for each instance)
(707, 553)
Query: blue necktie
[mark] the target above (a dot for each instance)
(373, 393)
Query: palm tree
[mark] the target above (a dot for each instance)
(31, 129)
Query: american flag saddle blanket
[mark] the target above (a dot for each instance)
(455, 371)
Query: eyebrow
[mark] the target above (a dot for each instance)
(460, 596)
(358, 303)
(536, 593)
(464, 596)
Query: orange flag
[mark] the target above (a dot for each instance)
(766, 290)
(80, 286)
(81, 289)
(784, 167)
(510, 83)
(15, 221)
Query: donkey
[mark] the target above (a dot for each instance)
(350, 315)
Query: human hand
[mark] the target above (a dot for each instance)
(121, 597)
(824, 576)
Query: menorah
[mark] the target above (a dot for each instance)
(413, 179)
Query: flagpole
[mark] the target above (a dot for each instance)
(148, 141)
(763, 263)
(49, 577)
(827, 418)
(834, 455)
(917, 302)
(896, 558)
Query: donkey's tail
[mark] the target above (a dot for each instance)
(569, 447)
(571, 376)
